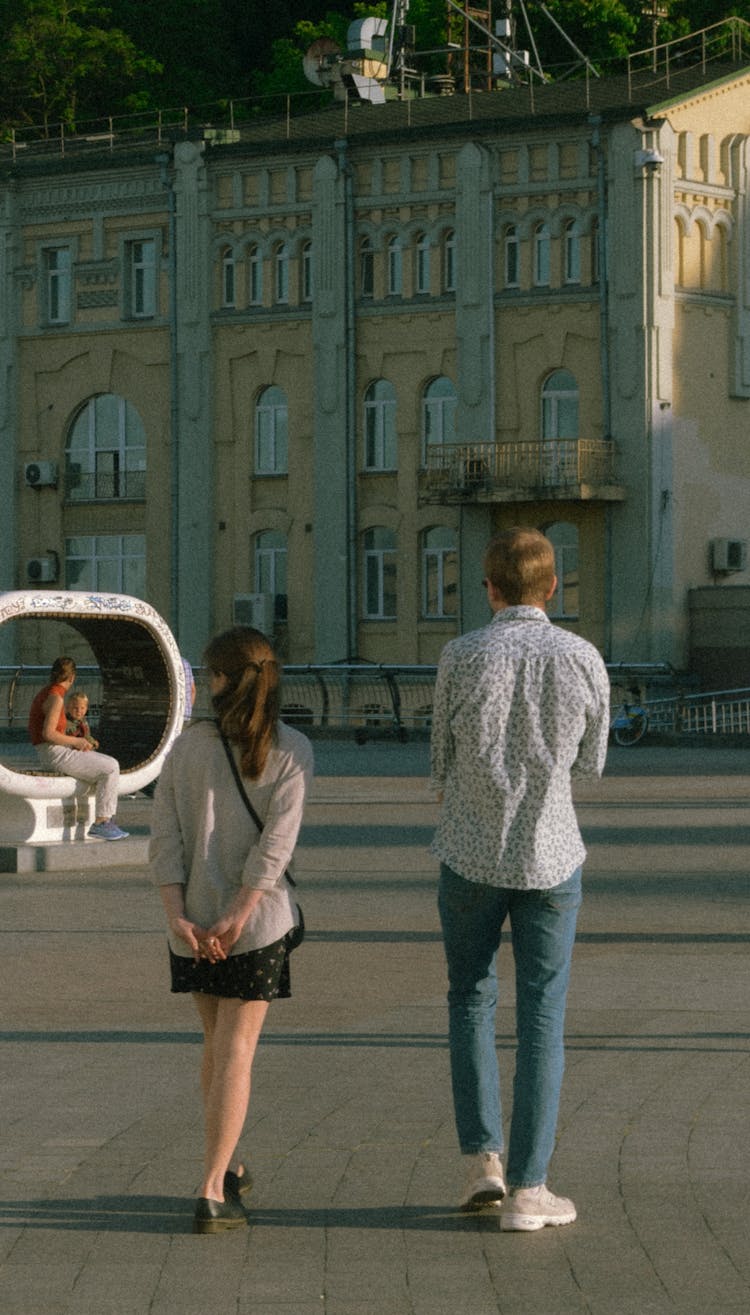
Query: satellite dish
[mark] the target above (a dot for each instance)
(318, 60)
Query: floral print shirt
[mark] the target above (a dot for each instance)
(520, 707)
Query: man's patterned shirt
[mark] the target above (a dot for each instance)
(520, 706)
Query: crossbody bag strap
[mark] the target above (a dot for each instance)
(243, 791)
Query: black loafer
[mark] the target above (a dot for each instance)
(217, 1216)
(236, 1184)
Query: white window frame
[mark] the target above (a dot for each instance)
(439, 560)
(142, 258)
(511, 257)
(255, 275)
(379, 426)
(58, 284)
(395, 254)
(111, 468)
(438, 414)
(556, 397)
(270, 569)
(274, 412)
(567, 558)
(378, 562)
(228, 278)
(422, 260)
(366, 269)
(542, 255)
(572, 251)
(281, 273)
(122, 557)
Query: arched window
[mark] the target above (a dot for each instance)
(380, 426)
(228, 291)
(564, 603)
(422, 253)
(281, 272)
(511, 263)
(270, 569)
(438, 414)
(379, 574)
(541, 255)
(366, 268)
(306, 272)
(105, 455)
(255, 271)
(572, 251)
(449, 261)
(439, 573)
(560, 405)
(271, 434)
(395, 268)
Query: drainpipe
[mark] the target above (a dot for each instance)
(164, 160)
(350, 369)
(604, 361)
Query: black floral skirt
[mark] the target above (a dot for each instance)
(258, 975)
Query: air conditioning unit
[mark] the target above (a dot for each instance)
(728, 555)
(256, 610)
(40, 474)
(42, 570)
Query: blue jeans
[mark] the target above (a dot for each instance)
(543, 927)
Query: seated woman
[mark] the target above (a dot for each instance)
(74, 756)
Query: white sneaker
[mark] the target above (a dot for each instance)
(528, 1208)
(485, 1184)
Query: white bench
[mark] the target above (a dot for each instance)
(143, 703)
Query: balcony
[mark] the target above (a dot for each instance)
(104, 485)
(580, 469)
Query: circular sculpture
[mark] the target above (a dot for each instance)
(142, 678)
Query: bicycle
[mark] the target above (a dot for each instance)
(629, 723)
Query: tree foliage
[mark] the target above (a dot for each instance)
(68, 60)
(57, 54)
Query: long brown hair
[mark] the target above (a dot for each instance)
(247, 709)
(62, 669)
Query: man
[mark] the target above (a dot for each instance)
(520, 707)
(74, 755)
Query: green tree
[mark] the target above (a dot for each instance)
(59, 61)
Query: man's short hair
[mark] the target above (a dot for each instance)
(520, 563)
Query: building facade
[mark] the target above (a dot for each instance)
(301, 371)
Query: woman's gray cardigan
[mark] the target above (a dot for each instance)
(203, 837)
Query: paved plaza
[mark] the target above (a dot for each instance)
(350, 1135)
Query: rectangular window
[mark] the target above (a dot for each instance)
(142, 279)
(256, 277)
(228, 299)
(107, 563)
(511, 259)
(57, 268)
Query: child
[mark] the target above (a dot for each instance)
(76, 708)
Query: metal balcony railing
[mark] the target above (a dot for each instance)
(497, 468)
(104, 486)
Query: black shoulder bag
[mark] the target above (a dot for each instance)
(296, 935)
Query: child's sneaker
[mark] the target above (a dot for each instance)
(528, 1208)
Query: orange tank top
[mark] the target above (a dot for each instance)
(36, 713)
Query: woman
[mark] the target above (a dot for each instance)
(224, 885)
(59, 752)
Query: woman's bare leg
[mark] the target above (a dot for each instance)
(231, 1029)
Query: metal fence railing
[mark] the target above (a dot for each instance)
(719, 712)
(371, 700)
